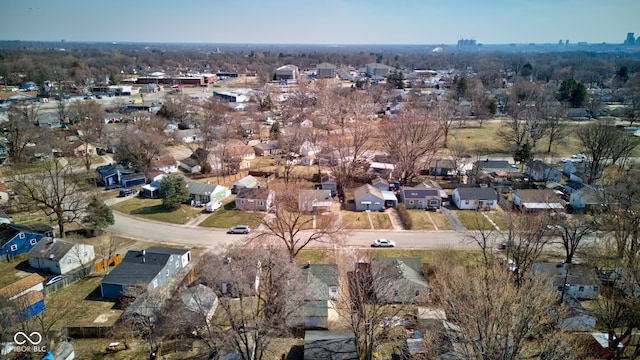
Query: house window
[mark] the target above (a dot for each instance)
(595, 288)
(433, 202)
(581, 288)
(417, 292)
(22, 235)
(14, 247)
(466, 202)
(33, 241)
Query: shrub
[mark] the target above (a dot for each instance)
(405, 218)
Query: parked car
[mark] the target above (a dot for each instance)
(101, 151)
(127, 192)
(239, 229)
(383, 243)
(54, 280)
(579, 156)
(212, 206)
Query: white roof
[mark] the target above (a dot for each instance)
(389, 195)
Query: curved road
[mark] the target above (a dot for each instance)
(152, 231)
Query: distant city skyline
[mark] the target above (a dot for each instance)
(321, 22)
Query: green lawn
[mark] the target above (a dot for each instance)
(10, 270)
(228, 217)
(474, 220)
(499, 218)
(440, 220)
(152, 209)
(355, 220)
(421, 220)
(381, 221)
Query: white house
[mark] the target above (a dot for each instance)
(166, 164)
(579, 281)
(475, 198)
(58, 256)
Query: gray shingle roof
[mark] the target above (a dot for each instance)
(51, 249)
(136, 268)
(477, 194)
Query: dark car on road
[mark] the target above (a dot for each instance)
(127, 192)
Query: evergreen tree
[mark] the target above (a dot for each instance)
(173, 191)
(99, 215)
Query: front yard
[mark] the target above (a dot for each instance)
(227, 217)
(152, 209)
(355, 220)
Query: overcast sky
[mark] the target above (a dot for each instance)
(320, 21)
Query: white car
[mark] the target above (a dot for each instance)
(239, 229)
(565, 160)
(579, 156)
(383, 243)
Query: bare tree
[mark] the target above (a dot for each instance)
(179, 107)
(256, 292)
(140, 145)
(573, 230)
(443, 112)
(597, 140)
(90, 123)
(21, 129)
(292, 226)
(495, 318)
(410, 138)
(55, 191)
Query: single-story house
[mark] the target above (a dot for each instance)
(190, 165)
(328, 182)
(586, 200)
(320, 289)
(287, 72)
(59, 256)
(405, 277)
(577, 280)
(383, 170)
(315, 201)
(152, 268)
(83, 148)
(246, 182)
(202, 193)
(537, 200)
(254, 199)
(475, 198)
(267, 148)
(308, 148)
(491, 166)
(420, 197)
(151, 190)
(19, 239)
(338, 345)
(116, 175)
(189, 135)
(442, 167)
(238, 150)
(33, 282)
(51, 120)
(166, 164)
(26, 295)
(368, 197)
(381, 184)
(540, 171)
(112, 118)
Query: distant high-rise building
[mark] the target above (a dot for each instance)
(560, 42)
(631, 40)
(467, 45)
(567, 42)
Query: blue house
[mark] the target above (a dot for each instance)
(117, 175)
(150, 268)
(19, 239)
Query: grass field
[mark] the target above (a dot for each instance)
(440, 220)
(227, 217)
(473, 220)
(421, 220)
(152, 209)
(381, 221)
(355, 220)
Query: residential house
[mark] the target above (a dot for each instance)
(367, 198)
(586, 200)
(150, 268)
(287, 72)
(491, 166)
(377, 71)
(83, 148)
(4, 153)
(238, 154)
(328, 182)
(540, 171)
(576, 317)
(442, 167)
(111, 118)
(189, 135)
(267, 148)
(33, 282)
(254, 199)
(202, 193)
(380, 183)
(383, 170)
(335, 345)
(405, 277)
(537, 200)
(421, 197)
(577, 280)
(199, 304)
(48, 119)
(475, 198)
(316, 201)
(59, 256)
(117, 175)
(325, 71)
(4, 194)
(308, 148)
(626, 280)
(19, 239)
(35, 152)
(26, 295)
(166, 164)
(190, 165)
(246, 182)
(319, 291)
